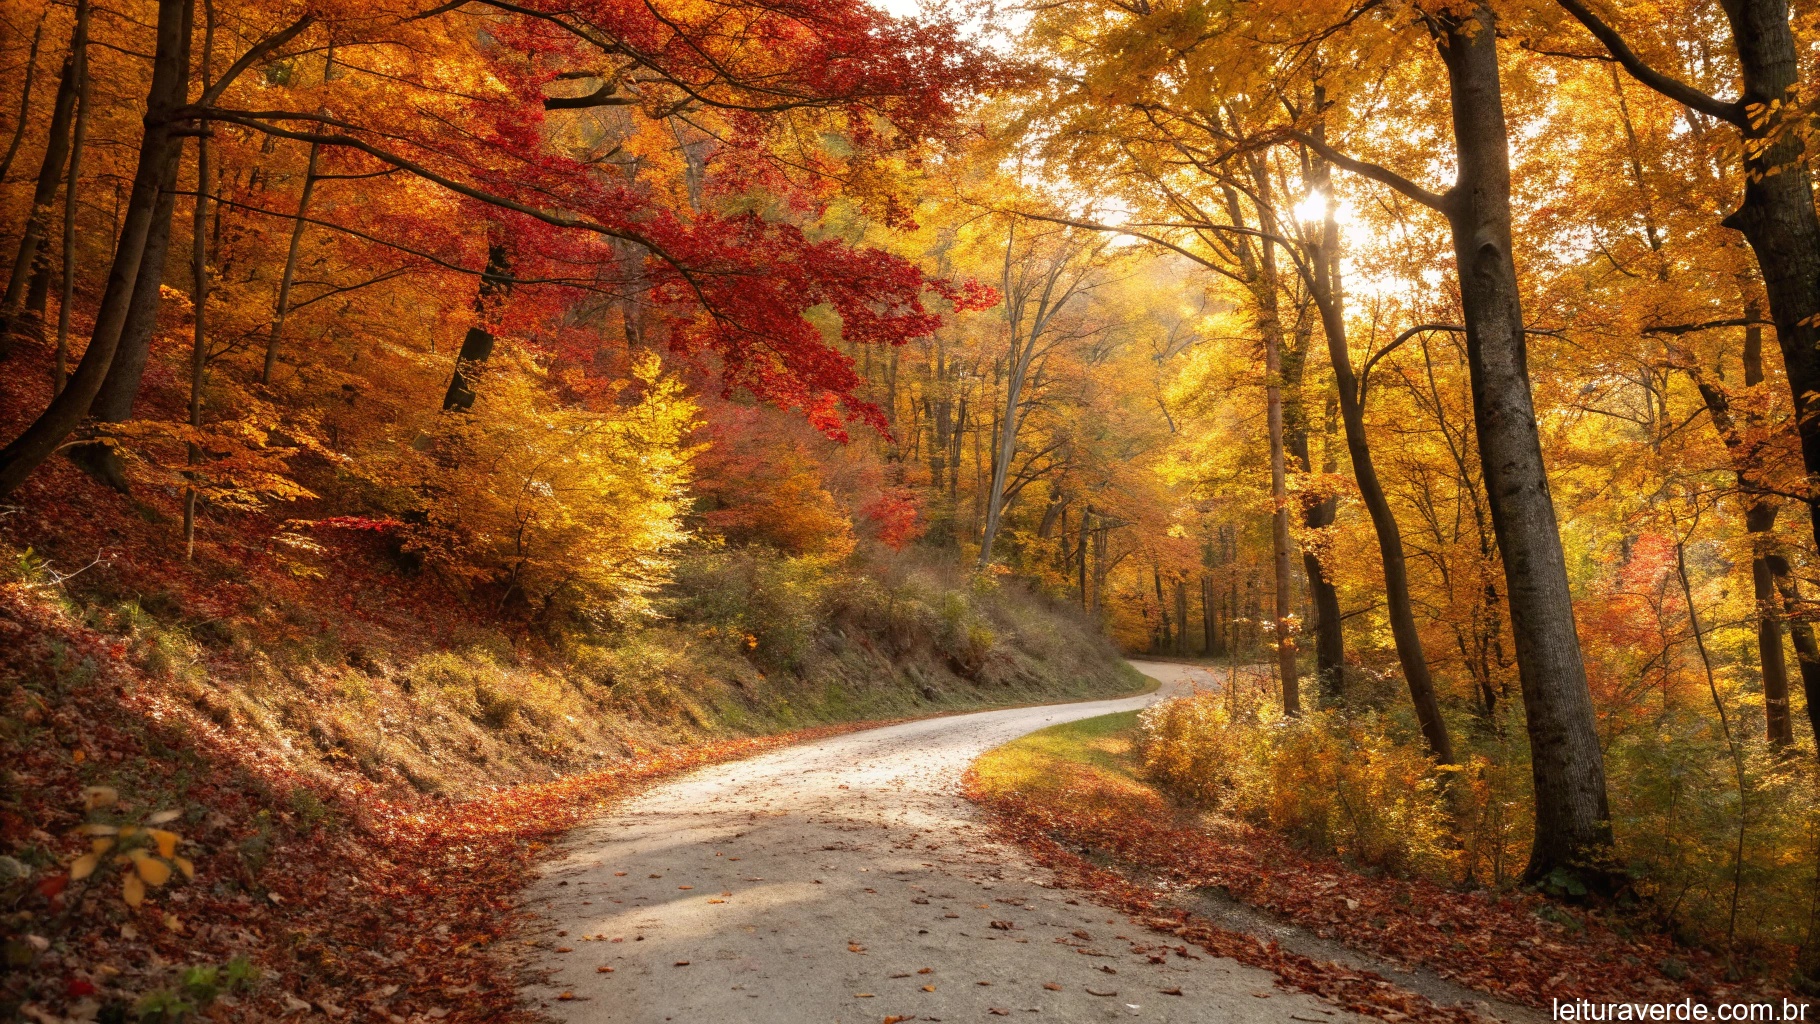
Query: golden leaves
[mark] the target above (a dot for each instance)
(145, 853)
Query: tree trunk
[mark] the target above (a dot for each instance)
(50, 175)
(199, 270)
(1807, 648)
(477, 346)
(159, 150)
(1759, 524)
(71, 192)
(114, 403)
(1181, 617)
(1573, 823)
(1005, 449)
(25, 97)
(1210, 635)
(1086, 517)
(283, 307)
(1329, 294)
(1777, 216)
(1329, 635)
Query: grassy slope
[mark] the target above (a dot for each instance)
(358, 752)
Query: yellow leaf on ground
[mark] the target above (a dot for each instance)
(167, 841)
(150, 868)
(133, 891)
(84, 866)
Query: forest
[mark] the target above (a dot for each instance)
(426, 423)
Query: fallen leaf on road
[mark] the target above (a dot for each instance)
(566, 996)
(998, 1011)
(685, 887)
(565, 949)
(1171, 991)
(926, 970)
(862, 995)
(603, 970)
(1003, 926)
(682, 963)
(854, 947)
(1052, 986)
(896, 1019)
(1096, 992)
(928, 988)
(717, 901)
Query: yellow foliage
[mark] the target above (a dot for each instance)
(552, 502)
(1333, 783)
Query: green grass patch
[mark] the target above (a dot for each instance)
(1089, 761)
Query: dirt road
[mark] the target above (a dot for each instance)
(847, 881)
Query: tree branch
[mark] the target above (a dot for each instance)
(1679, 329)
(1674, 89)
(1382, 175)
(259, 51)
(605, 96)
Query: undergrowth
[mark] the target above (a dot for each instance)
(361, 779)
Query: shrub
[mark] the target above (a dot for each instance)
(1333, 783)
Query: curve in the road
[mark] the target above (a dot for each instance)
(847, 881)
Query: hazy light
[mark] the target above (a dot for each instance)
(1313, 209)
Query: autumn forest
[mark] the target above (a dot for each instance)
(429, 425)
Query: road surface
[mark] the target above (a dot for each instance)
(847, 881)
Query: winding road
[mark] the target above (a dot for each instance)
(848, 881)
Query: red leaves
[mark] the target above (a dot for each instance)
(1498, 945)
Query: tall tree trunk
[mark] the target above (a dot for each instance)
(1573, 822)
(1210, 636)
(1160, 643)
(283, 306)
(114, 402)
(1759, 524)
(1329, 293)
(159, 150)
(1004, 450)
(25, 97)
(199, 270)
(1317, 515)
(71, 192)
(1279, 525)
(1181, 617)
(1777, 216)
(50, 175)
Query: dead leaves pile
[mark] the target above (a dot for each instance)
(1500, 945)
(353, 906)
